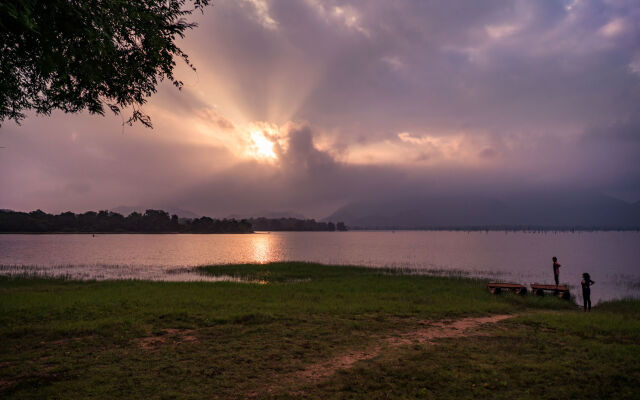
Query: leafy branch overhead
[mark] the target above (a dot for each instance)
(93, 55)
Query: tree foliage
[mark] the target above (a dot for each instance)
(93, 55)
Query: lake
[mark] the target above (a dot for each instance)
(612, 258)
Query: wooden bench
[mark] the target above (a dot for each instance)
(561, 291)
(499, 287)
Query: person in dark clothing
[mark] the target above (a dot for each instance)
(556, 270)
(586, 291)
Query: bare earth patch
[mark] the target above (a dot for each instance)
(430, 331)
(168, 335)
(444, 329)
(71, 339)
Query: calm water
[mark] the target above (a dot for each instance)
(612, 258)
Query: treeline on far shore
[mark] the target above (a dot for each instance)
(294, 224)
(152, 221)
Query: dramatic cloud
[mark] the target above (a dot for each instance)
(307, 105)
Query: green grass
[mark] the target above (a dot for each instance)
(559, 355)
(117, 339)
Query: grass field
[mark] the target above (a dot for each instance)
(135, 339)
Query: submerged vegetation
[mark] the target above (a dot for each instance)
(133, 339)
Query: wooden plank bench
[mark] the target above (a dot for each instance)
(499, 287)
(560, 291)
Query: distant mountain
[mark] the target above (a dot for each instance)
(126, 210)
(269, 214)
(526, 210)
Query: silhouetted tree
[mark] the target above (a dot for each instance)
(88, 54)
(66, 221)
(133, 222)
(175, 223)
(156, 221)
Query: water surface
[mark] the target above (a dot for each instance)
(612, 258)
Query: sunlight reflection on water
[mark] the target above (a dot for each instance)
(261, 248)
(612, 258)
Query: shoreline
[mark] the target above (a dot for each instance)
(307, 330)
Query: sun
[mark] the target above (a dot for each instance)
(261, 147)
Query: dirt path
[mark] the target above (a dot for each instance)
(430, 331)
(444, 329)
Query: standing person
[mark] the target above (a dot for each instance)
(586, 291)
(556, 270)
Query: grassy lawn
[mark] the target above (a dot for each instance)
(133, 339)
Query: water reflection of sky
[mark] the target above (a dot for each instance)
(612, 258)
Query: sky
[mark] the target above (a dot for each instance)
(307, 105)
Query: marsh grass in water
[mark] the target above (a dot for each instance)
(133, 339)
(108, 272)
